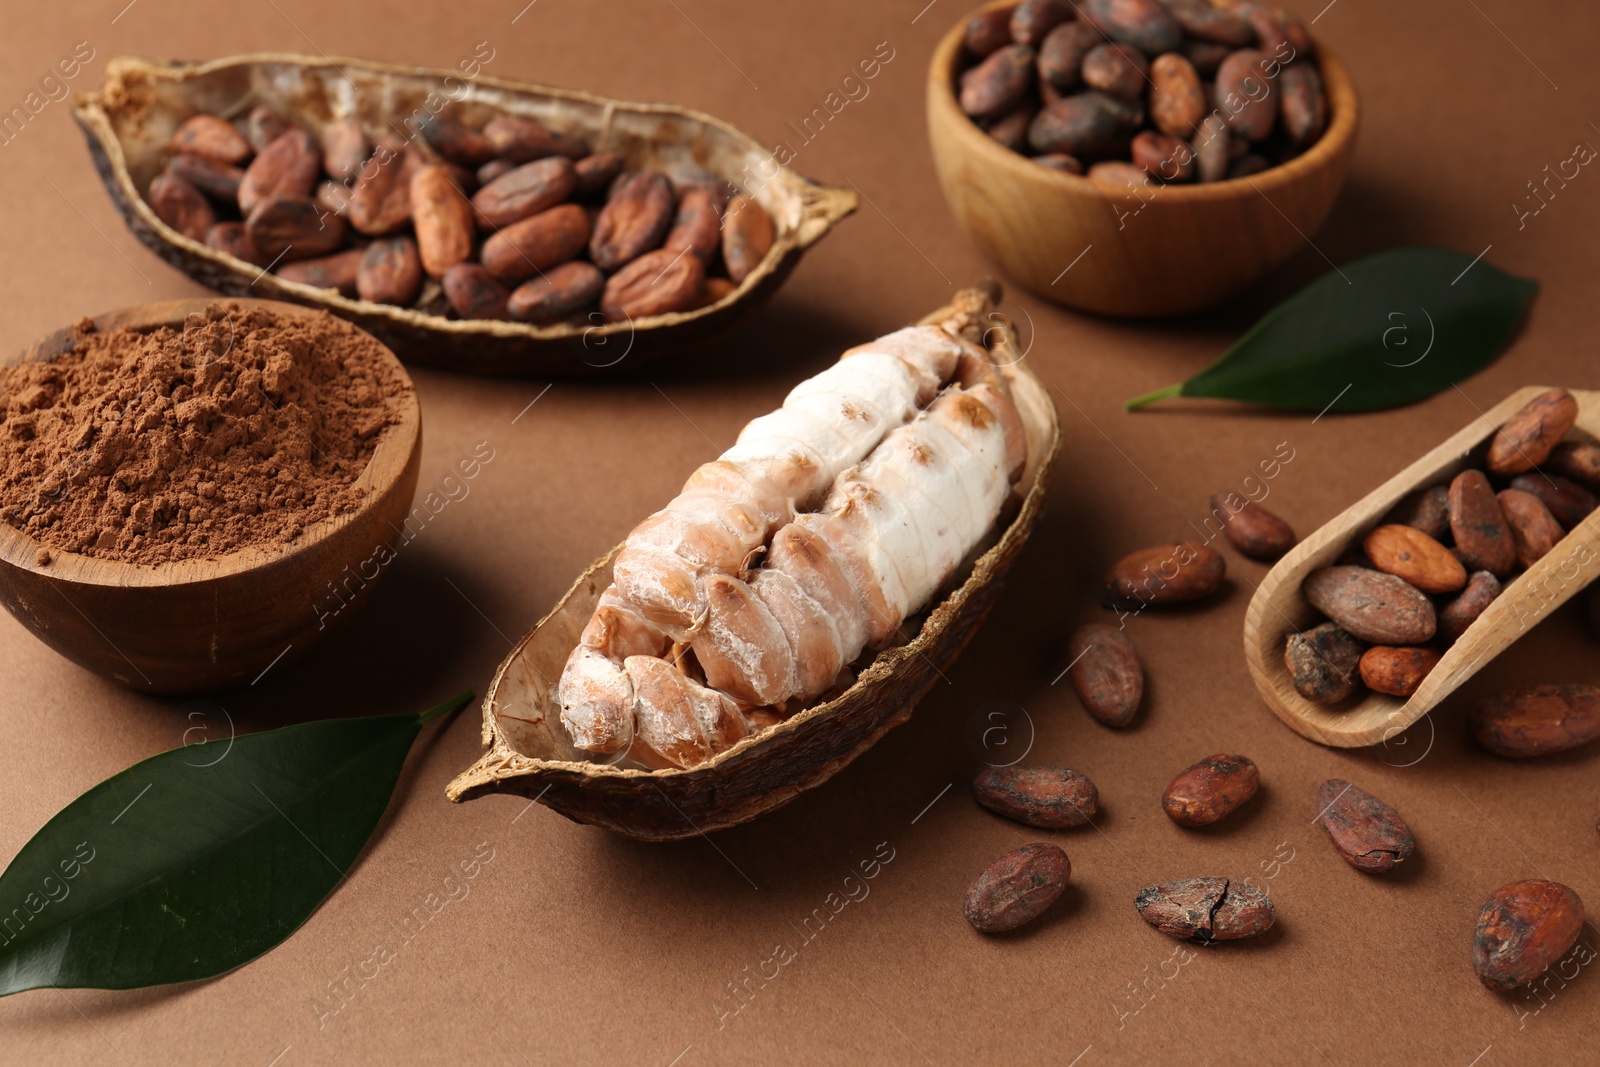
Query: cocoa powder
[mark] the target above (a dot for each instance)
(240, 428)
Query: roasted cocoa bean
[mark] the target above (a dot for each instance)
(1106, 673)
(344, 148)
(1031, 20)
(179, 204)
(219, 181)
(1164, 574)
(494, 169)
(1053, 798)
(288, 167)
(1324, 663)
(1206, 909)
(633, 221)
(1118, 69)
(1076, 126)
(1210, 790)
(442, 217)
(1411, 555)
(557, 293)
(457, 142)
(1012, 130)
(1223, 26)
(1369, 834)
(1427, 510)
(1523, 929)
(337, 271)
(1061, 54)
(1207, 57)
(1396, 671)
(288, 228)
(1373, 606)
(1145, 24)
(1537, 720)
(1578, 460)
(1017, 888)
(1527, 438)
(212, 137)
(1128, 114)
(390, 272)
(999, 83)
(698, 226)
(537, 243)
(524, 140)
(1303, 108)
(474, 292)
(380, 200)
(1211, 144)
(987, 32)
(1244, 92)
(1463, 611)
(231, 238)
(265, 125)
(747, 235)
(596, 173)
(526, 190)
(1568, 501)
(1177, 103)
(1168, 158)
(657, 283)
(1059, 161)
(1251, 528)
(1479, 526)
(1534, 531)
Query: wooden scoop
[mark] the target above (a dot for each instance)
(1278, 608)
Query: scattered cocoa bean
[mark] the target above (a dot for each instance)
(1206, 909)
(1017, 888)
(344, 148)
(1118, 69)
(1075, 126)
(212, 137)
(1106, 673)
(557, 292)
(390, 272)
(1251, 528)
(1369, 834)
(1479, 526)
(1053, 798)
(1177, 103)
(1527, 438)
(657, 283)
(1031, 20)
(1524, 928)
(1304, 109)
(999, 83)
(1537, 720)
(1324, 663)
(1167, 158)
(1409, 554)
(537, 243)
(337, 271)
(230, 237)
(987, 32)
(1568, 501)
(1165, 574)
(1454, 618)
(288, 167)
(1396, 671)
(1145, 24)
(442, 216)
(747, 235)
(1210, 790)
(524, 140)
(1427, 510)
(288, 228)
(1061, 54)
(526, 190)
(1376, 607)
(1534, 531)
(179, 204)
(217, 180)
(1246, 94)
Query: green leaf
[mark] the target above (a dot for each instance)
(1386, 330)
(200, 859)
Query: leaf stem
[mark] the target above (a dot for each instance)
(1150, 398)
(455, 703)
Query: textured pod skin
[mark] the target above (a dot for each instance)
(1454, 618)
(1053, 798)
(1164, 574)
(1106, 673)
(1479, 526)
(1371, 605)
(1206, 909)
(1537, 720)
(1369, 834)
(1523, 928)
(1017, 888)
(1528, 437)
(1324, 663)
(1210, 790)
(1251, 528)
(1415, 558)
(1396, 671)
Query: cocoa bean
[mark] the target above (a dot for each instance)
(231, 238)
(1479, 526)
(265, 125)
(1164, 574)
(537, 243)
(212, 137)
(1523, 929)
(493, 169)
(1295, 31)
(344, 148)
(557, 293)
(333, 197)
(524, 140)
(1061, 54)
(1177, 103)
(987, 32)
(747, 235)
(1371, 605)
(1369, 834)
(1145, 24)
(1210, 790)
(1128, 114)
(380, 200)
(999, 83)
(179, 204)
(1118, 69)
(1396, 671)
(1167, 158)
(1427, 510)
(1106, 673)
(1053, 798)
(1017, 888)
(1272, 36)
(337, 271)
(526, 190)
(457, 142)
(1527, 438)
(288, 228)
(217, 180)
(1059, 161)
(1075, 126)
(1211, 144)
(390, 272)
(657, 283)
(1031, 20)
(596, 173)
(1414, 557)
(1244, 92)
(716, 290)
(1537, 720)
(1303, 107)
(474, 292)
(1534, 531)
(633, 221)
(1223, 26)
(1206, 57)
(1578, 460)
(698, 226)
(1568, 501)
(288, 167)
(1251, 528)
(1012, 130)
(442, 217)
(1206, 909)
(1463, 611)
(1324, 663)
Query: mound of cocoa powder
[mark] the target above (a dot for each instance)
(240, 428)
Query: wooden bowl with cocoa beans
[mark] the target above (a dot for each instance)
(1138, 157)
(1372, 621)
(467, 221)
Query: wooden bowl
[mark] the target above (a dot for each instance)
(1278, 608)
(1167, 250)
(207, 624)
(529, 752)
(130, 119)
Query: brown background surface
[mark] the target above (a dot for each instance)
(577, 946)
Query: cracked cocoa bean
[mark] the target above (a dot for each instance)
(1206, 909)
(1369, 834)
(1053, 798)
(1324, 663)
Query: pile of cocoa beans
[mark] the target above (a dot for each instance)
(1443, 555)
(511, 221)
(1133, 92)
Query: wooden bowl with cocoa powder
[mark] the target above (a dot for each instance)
(1162, 249)
(201, 623)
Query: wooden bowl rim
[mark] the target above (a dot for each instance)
(396, 445)
(1343, 106)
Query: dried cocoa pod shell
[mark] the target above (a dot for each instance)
(1219, 25)
(987, 32)
(524, 191)
(1324, 663)
(657, 283)
(596, 173)
(288, 167)
(219, 181)
(1251, 528)
(1053, 798)
(1076, 126)
(1206, 909)
(344, 148)
(1012, 130)
(524, 140)
(1246, 93)
(1059, 161)
(1164, 574)
(390, 272)
(1523, 929)
(1210, 790)
(1302, 103)
(231, 238)
(1031, 20)
(1118, 69)
(1369, 834)
(1106, 673)
(1017, 888)
(1206, 56)
(1568, 501)
(442, 216)
(1414, 557)
(1062, 52)
(380, 200)
(633, 221)
(1479, 526)
(179, 204)
(1145, 24)
(1168, 158)
(557, 293)
(537, 243)
(999, 84)
(1527, 438)
(264, 125)
(1454, 618)
(213, 138)
(1211, 145)
(288, 228)
(747, 234)
(474, 292)
(1578, 460)
(1371, 605)
(337, 271)
(1427, 510)
(1534, 531)
(458, 142)
(1396, 671)
(1537, 720)
(1177, 103)
(698, 226)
